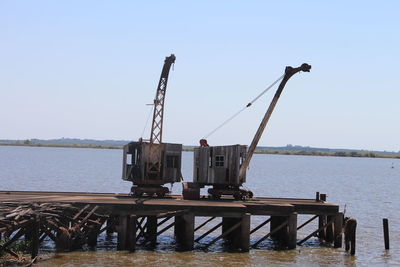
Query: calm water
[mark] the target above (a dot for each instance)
(368, 187)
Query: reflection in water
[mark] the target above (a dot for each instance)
(368, 186)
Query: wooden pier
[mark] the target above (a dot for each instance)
(144, 219)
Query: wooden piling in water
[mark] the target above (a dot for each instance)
(34, 238)
(321, 222)
(227, 223)
(350, 228)
(151, 231)
(184, 230)
(245, 233)
(291, 239)
(338, 229)
(131, 233)
(279, 234)
(121, 230)
(329, 231)
(386, 232)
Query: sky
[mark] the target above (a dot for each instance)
(87, 69)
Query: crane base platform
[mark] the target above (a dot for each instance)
(236, 192)
(140, 190)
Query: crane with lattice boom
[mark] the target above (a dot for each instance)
(149, 164)
(224, 167)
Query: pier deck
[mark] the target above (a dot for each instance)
(137, 218)
(202, 207)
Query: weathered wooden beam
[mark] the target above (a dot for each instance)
(140, 228)
(329, 232)
(204, 223)
(171, 213)
(42, 237)
(313, 233)
(131, 233)
(292, 231)
(166, 228)
(259, 226)
(223, 234)
(279, 227)
(121, 230)
(49, 233)
(88, 215)
(338, 230)
(80, 212)
(244, 241)
(164, 220)
(307, 222)
(151, 230)
(184, 231)
(208, 232)
(142, 231)
(321, 222)
(34, 238)
(20, 233)
(385, 223)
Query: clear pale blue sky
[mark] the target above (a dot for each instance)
(86, 69)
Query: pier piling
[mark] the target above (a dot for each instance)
(184, 230)
(291, 240)
(386, 232)
(338, 229)
(329, 232)
(321, 222)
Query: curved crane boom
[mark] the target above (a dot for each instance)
(289, 72)
(154, 156)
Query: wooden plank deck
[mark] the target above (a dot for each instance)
(203, 207)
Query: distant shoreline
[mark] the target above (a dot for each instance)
(352, 154)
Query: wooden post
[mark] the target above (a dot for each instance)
(34, 237)
(338, 228)
(151, 231)
(184, 230)
(386, 232)
(245, 233)
(227, 223)
(131, 233)
(126, 233)
(329, 232)
(353, 241)
(350, 235)
(291, 241)
(321, 222)
(92, 236)
(121, 229)
(110, 225)
(275, 222)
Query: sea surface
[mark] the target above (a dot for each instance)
(366, 188)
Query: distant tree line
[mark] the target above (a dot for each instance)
(330, 154)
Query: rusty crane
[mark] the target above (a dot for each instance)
(150, 164)
(224, 167)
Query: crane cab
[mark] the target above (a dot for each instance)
(135, 167)
(218, 166)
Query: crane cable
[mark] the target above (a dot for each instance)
(240, 111)
(147, 120)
